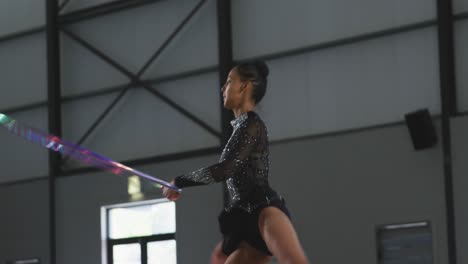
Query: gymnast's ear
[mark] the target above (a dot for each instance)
(244, 85)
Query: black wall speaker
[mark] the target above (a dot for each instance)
(421, 129)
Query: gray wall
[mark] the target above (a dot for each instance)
(338, 186)
(24, 222)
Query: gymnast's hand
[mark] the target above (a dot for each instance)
(171, 194)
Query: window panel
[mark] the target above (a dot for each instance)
(127, 254)
(145, 220)
(162, 252)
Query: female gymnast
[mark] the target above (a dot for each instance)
(255, 222)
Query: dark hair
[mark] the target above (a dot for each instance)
(256, 72)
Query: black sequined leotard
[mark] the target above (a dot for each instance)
(243, 165)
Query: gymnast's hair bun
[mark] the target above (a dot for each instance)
(262, 68)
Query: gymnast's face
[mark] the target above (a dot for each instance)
(234, 91)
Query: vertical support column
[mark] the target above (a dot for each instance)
(225, 64)
(449, 109)
(54, 111)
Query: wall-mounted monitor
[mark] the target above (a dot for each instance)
(405, 243)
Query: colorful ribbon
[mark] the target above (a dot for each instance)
(74, 151)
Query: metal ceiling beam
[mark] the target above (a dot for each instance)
(114, 89)
(54, 112)
(63, 5)
(446, 46)
(460, 16)
(24, 33)
(225, 59)
(346, 41)
(136, 81)
(101, 10)
(170, 38)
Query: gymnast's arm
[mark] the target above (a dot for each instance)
(244, 141)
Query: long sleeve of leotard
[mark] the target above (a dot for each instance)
(234, 159)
